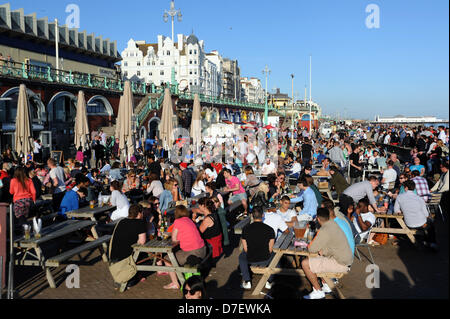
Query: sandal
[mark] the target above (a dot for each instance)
(171, 286)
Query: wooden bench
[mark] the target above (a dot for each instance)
(57, 260)
(402, 230)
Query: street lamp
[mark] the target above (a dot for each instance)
(292, 114)
(267, 72)
(172, 13)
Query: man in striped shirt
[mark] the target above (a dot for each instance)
(422, 188)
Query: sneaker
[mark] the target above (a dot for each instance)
(315, 294)
(246, 285)
(268, 285)
(326, 289)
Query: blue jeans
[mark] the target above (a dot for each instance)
(244, 265)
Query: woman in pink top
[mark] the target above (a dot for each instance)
(235, 186)
(24, 194)
(79, 157)
(185, 235)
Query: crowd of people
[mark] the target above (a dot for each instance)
(277, 191)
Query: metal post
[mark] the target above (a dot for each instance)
(1, 276)
(10, 293)
(57, 47)
(310, 100)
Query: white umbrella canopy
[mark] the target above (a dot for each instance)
(196, 124)
(124, 126)
(166, 124)
(81, 123)
(24, 135)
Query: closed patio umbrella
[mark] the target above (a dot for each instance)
(166, 124)
(81, 123)
(23, 138)
(124, 126)
(196, 125)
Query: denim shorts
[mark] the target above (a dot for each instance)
(238, 197)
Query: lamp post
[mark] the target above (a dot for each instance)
(310, 100)
(172, 13)
(267, 72)
(292, 113)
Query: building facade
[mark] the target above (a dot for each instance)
(30, 40)
(252, 90)
(193, 69)
(231, 80)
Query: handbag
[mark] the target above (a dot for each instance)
(123, 270)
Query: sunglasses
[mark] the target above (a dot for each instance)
(155, 203)
(191, 292)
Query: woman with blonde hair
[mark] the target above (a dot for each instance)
(199, 185)
(169, 194)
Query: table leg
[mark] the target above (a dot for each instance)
(407, 230)
(104, 245)
(333, 287)
(174, 262)
(267, 274)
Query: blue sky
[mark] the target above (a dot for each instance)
(400, 68)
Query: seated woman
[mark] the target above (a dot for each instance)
(199, 185)
(211, 190)
(186, 236)
(169, 195)
(119, 200)
(132, 182)
(156, 187)
(210, 227)
(251, 182)
(235, 186)
(115, 173)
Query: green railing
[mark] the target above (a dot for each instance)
(42, 74)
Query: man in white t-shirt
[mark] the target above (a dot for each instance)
(268, 167)
(289, 215)
(275, 221)
(362, 219)
(57, 182)
(389, 175)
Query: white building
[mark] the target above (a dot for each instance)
(252, 90)
(404, 119)
(153, 63)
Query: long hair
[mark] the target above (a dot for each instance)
(21, 176)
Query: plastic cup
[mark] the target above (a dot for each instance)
(299, 230)
(26, 231)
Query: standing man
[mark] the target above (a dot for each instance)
(57, 183)
(37, 151)
(354, 193)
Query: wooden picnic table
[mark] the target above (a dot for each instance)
(164, 246)
(32, 253)
(372, 170)
(285, 246)
(402, 230)
(92, 214)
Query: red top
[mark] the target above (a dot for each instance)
(3, 174)
(217, 166)
(18, 192)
